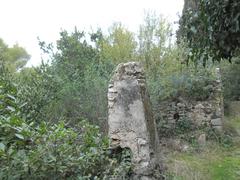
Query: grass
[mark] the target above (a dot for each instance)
(227, 168)
(213, 163)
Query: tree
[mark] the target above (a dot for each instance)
(14, 58)
(76, 77)
(30, 150)
(211, 29)
(154, 38)
(119, 45)
(38, 89)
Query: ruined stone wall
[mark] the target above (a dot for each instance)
(130, 118)
(200, 113)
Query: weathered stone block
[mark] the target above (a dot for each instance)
(218, 128)
(216, 122)
(202, 140)
(130, 117)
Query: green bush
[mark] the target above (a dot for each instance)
(211, 29)
(231, 80)
(66, 87)
(172, 79)
(42, 150)
(225, 139)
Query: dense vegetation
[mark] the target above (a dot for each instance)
(211, 29)
(213, 162)
(53, 117)
(40, 149)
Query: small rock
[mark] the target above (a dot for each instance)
(216, 122)
(208, 110)
(185, 148)
(199, 106)
(218, 112)
(180, 105)
(202, 140)
(219, 128)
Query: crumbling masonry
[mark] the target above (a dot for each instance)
(130, 119)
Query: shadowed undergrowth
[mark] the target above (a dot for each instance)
(213, 163)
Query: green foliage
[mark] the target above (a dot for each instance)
(154, 39)
(14, 58)
(79, 72)
(37, 91)
(119, 45)
(225, 139)
(211, 29)
(74, 55)
(172, 79)
(43, 150)
(213, 163)
(41, 134)
(8, 101)
(183, 125)
(227, 167)
(66, 87)
(231, 80)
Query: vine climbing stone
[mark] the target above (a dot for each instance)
(130, 119)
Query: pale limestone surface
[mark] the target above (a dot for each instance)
(130, 118)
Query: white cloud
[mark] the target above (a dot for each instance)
(22, 21)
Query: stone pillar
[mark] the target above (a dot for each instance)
(130, 118)
(218, 116)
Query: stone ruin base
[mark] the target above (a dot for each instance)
(132, 125)
(208, 112)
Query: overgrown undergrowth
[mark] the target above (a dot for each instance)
(215, 162)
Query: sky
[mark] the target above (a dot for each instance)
(22, 21)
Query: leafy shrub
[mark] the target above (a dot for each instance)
(56, 151)
(231, 80)
(65, 88)
(211, 29)
(8, 102)
(172, 79)
(225, 139)
(183, 125)
(37, 90)
(31, 150)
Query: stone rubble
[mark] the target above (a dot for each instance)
(201, 113)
